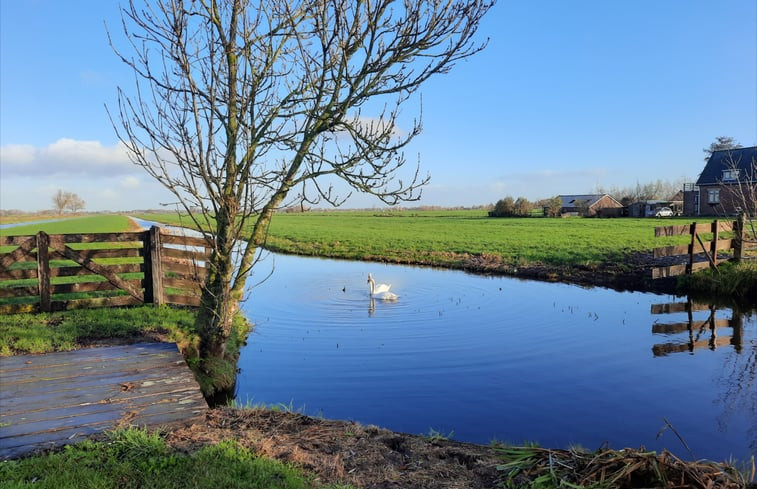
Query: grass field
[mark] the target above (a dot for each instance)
(74, 225)
(442, 236)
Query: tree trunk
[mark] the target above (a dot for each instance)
(219, 303)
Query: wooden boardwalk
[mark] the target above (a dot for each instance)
(59, 398)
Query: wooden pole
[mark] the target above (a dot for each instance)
(43, 271)
(714, 243)
(690, 264)
(156, 268)
(738, 238)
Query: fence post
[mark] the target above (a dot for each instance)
(690, 264)
(738, 238)
(43, 271)
(156, 268)
(714, 245)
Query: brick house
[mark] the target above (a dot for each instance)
(716, 192)
(601, 205)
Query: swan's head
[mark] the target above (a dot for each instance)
(370, 279)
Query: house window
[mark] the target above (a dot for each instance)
(713, 196)
(730, 175)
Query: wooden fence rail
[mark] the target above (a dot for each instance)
(701, 252)
(695, 333)
(54, 272)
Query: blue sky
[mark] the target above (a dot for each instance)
(569, 95)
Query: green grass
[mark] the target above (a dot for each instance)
(444, 237)
(67, 330)
(75, 225)
(732, 282)
(136, 459)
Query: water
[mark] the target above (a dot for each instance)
(497, 358)
(26, 223)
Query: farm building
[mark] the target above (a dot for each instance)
(727, 177)
(648, 208)
(600, 205)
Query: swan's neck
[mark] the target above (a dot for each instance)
(370, 284)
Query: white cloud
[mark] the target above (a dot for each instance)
(130, 182)
(19, 154)
(65, 157)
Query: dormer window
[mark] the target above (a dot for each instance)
(730, 175)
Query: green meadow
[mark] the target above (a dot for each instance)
(443, 237)
(74, 225)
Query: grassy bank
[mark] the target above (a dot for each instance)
(442, 236)
(136, 459)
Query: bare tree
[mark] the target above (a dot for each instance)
(75, 203)
(60, 201)
(655, 190)
(720, 143)
(241, 109)
(740, 190)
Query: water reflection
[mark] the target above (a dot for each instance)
(705, 327)
(701, 331)
(496, 357)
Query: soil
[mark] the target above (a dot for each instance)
(344, 452)
(347, 452)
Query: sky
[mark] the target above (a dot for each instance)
(568, 96)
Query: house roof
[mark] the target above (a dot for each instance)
(587, 200)
(745, 159)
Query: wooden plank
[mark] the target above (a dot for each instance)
(189, 255)
(18, 274)
(136, 237)
(100, 254)
(121, 300)
(722, 244)
(188, 285)
(12, 406)
(91, 286)
(183, 300)
(674, 270)
(14, 240)
(679, 307)
(185, 240)
(671, 231)
(24, 249)
(184, 271)
(22, 259)
(6, 292)
(701, 228)
(675, 250)
(711, 344)
(19, 308)
(674, 328)
(73, 271)
(101, 270)
(46, 410)
(88, 354)
(49, 370)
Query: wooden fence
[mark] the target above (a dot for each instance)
(710, 244)
(67, 271)
(703, 332)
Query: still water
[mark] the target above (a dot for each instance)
(485, 358)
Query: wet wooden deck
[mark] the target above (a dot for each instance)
(59, 398)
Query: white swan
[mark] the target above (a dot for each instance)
(381, 291)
